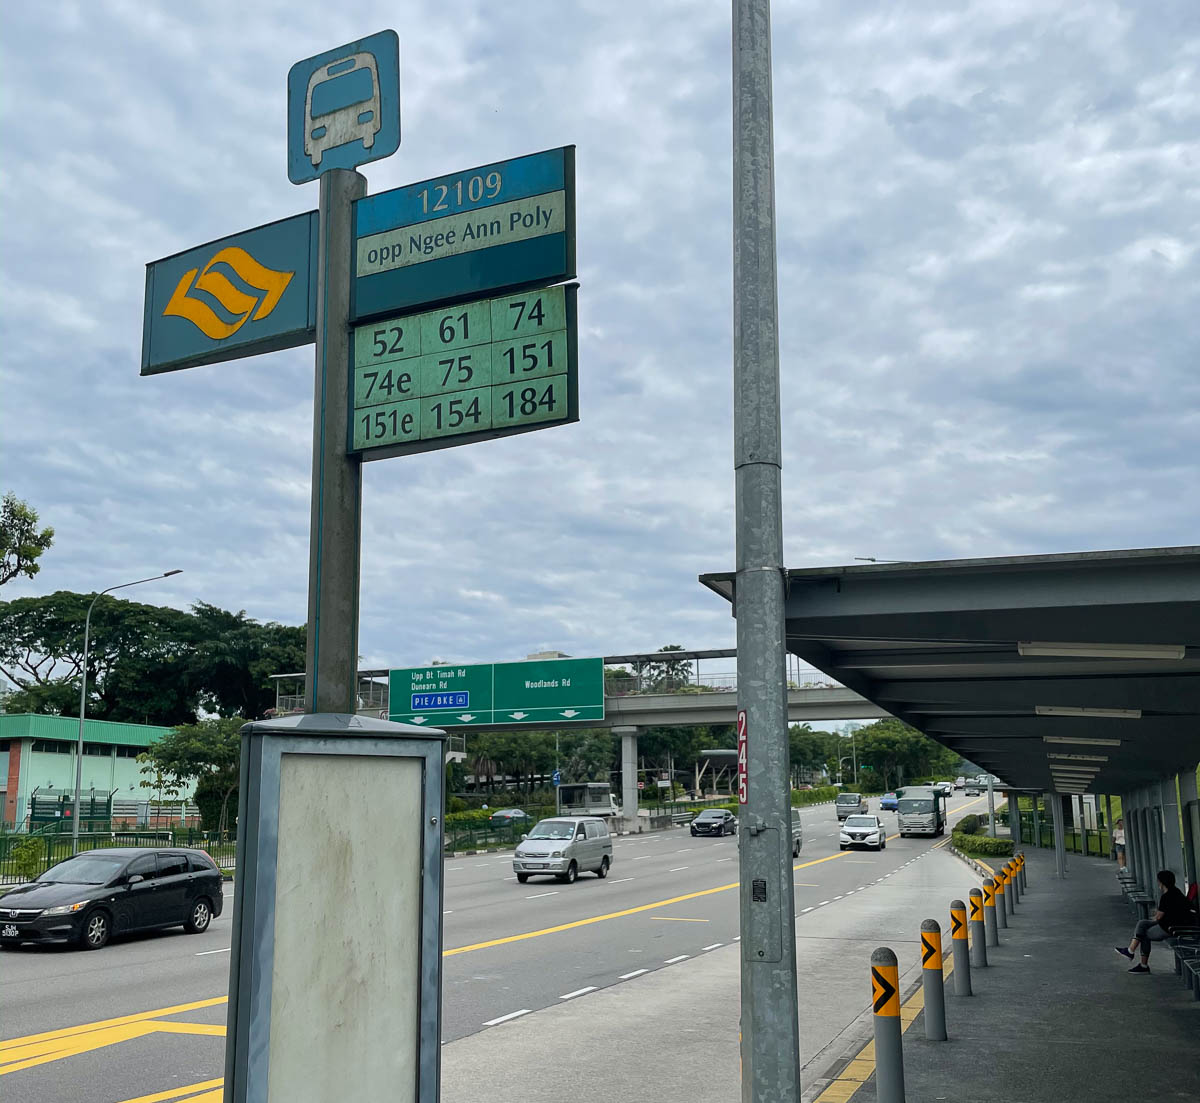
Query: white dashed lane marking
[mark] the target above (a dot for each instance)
(505, 1018)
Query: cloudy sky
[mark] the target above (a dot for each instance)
(988, 286)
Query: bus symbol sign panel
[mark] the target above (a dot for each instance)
(344, 107)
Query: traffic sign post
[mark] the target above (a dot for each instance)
(554, 691)
(437, 360)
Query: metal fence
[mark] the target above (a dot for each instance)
(1073, 837)
(41, 851)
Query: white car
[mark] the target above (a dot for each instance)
(865, 831)
(960, 783)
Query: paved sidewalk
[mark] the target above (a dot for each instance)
(1056, 1018)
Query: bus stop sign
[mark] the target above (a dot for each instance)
(344, 107)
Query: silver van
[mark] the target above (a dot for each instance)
(850, 804)
(797, 833)
(564, 847)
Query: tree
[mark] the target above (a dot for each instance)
(21, 543)
(664, 675)
(208, 752)
(138, 657)
(146, 663)
(236, 657)
(895, 751)
(588, 754)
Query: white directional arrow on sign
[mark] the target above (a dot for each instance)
(518, 715)
(419, 719)
(569, 712)
(466, 716)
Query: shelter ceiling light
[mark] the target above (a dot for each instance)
(1035, 649)
(1071, 710)
(1077, 757)
(1081, 740)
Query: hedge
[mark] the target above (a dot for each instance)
(802, 798)
(982, 845)
(968, 825)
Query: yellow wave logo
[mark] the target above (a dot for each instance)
(268, 284)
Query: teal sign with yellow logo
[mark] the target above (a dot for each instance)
(253, 292)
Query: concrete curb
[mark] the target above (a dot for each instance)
(979, 867)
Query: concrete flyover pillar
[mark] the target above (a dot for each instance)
(1189, 802)
(1172, 838)
(629, 778)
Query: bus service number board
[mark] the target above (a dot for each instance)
(464, 373)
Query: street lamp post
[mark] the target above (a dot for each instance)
(87, 624)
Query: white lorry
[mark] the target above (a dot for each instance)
(920, 810)
(588, 798)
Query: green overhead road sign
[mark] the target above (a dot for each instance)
(464, 373)
(546, 692)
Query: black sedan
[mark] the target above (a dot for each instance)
(89, 898)
(715, 821)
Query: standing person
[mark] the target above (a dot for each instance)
(1173, 911)
(1119, 842)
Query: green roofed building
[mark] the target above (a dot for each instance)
(37, 759)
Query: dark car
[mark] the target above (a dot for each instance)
(89, 898)
(506, 817)
(715, 821)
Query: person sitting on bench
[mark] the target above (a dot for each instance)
(1173, 911)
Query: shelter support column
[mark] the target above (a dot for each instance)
(1060, 842)
(629, 777)
(1037, 821)
(1172, 840)
(1146, 840)
(1108, 821)
(1132, 860)
(1189, 802)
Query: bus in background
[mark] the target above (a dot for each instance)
(920, 810)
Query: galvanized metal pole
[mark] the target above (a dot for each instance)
(335, 526)
(991, 808)
(1037, 823)
(770, 1018)
(885, 1003)
(932, 980)
(979, 943)
(958, 945)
